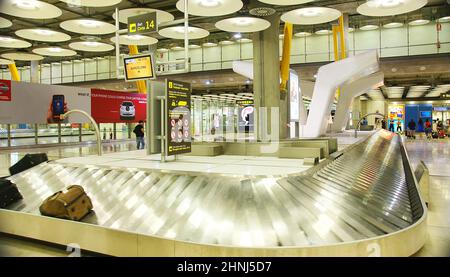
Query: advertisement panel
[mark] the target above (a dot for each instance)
(246, 117)
(5, 90)
(109, 106)
(294, 97)
(178, 117)
(41, 103)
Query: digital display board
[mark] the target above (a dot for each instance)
(139, 68)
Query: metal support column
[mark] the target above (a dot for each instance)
(114, 131)
(59, 132)
(36, 132)
(80, 132)
(8, 128)
(163, 128)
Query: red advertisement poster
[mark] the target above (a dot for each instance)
(5, 90)
(109, 106)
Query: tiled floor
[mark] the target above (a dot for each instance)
(435, 154)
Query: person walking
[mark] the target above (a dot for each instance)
(139, 132)
(428, 128)
(412, 129)
(391, 126)
(399, 126)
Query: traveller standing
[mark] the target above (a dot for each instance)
(428, 128)
(139, 132)
(383, 124)
(391, 126)
(412, 129)
(399, 126)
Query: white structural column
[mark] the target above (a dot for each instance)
(352, 90)
(34, 69)
(329, 78)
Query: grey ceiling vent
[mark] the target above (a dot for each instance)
(262, 11)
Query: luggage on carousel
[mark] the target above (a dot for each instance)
(8, 193)
(73, 204)
(434, 135)
(27, 162)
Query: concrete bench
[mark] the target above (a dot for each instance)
(299, 152)
(329, 145)
(206, 150)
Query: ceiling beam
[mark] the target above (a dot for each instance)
(405, 92)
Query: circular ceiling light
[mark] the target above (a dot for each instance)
(9, 42)
(209, 44)
(30, 9)
(226, 42)
(302, 34)
(162, 50)
(444, 19)
(389, 7)
(161, 15)
(392, 25)
(194, 46)
(285, 2)
(244, 40)
(211, 7)
(88, 26)
(135, 40)
(17, 56)
(419, 22)
(42, 35)
(369, 27)
(177, 32)
(323, 32)
(177, 48)
(5, 23)
(313, 15)
(5, 62)
(54, 52)
(92, 3)
(243, 24)
(350, 29)
(91, 46)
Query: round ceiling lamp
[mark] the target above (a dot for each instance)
(211, 7)
(243, 24)
(369, 27)
(161, 15)
(302, 34)
(419, 22)
(392, 25)
(444, 19)
(91, 46)
(209, 44)
(226, 42)
(389, 7)
(135, 40)
(162, 50)
(323, 32)
(29, 9)
(177, 32)
(5, 23)
(88, 26)
(5, 62)
(244, 40)
(313, 15)
(194, 46)
(92, 3)
(17, 56)
(9, 42)
(45, 35)
(285, 2)
(54, 52)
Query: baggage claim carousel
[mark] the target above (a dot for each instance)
(363, 201)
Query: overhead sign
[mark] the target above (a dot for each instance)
(178, 117)
(142, 24)
(245, 102)
(441, 109)
(139, 67)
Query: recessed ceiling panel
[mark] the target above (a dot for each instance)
(45, 35)
(389, 7)
(17, 56)
(211, 7)
(285, 2)
(92, 3)
(54, 52)
(312, 15)
(88, 26)
(29, 9)
(91, 46)
(9, 42)
(135, 40)
(5, 23)
(177, 32)
(243, 24)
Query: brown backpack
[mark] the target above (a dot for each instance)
(73, 204)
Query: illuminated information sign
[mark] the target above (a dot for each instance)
(142, 24)
(179, 117)
(139, 68)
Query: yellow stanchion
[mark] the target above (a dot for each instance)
(141, 85)
(286, 58)
(15, 76)
(341, 33)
